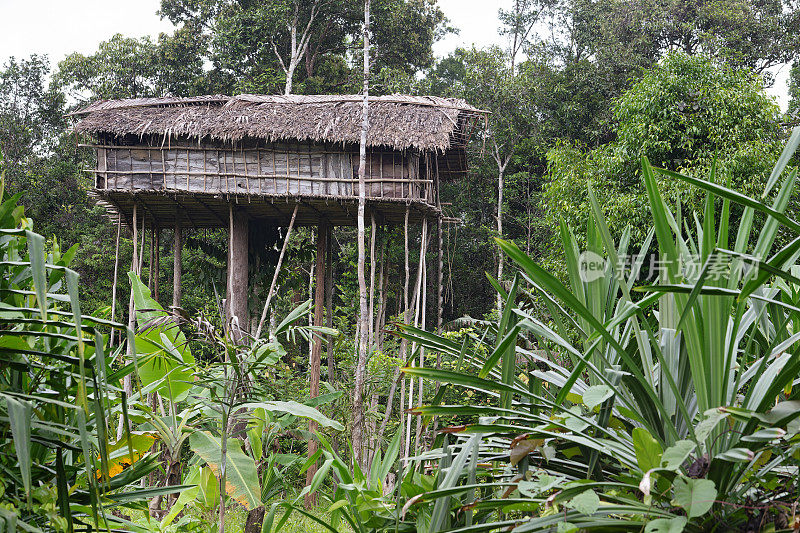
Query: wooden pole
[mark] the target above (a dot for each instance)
(127, 381)
(316, 348)
(380, 319)
(176, 266)
(277, 271)
(422, 324)
(372, 236)
(415, 305)
(439, 281)
(329, 305)
(157, 265)
(140, 263)
(238, 273)
(406, 318)
(439, 301)
(152, 258)
(116, 278)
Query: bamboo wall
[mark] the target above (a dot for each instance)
(270, 170)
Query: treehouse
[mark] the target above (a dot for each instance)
(186, 161)
(250, 161)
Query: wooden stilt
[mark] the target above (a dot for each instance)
(372, 236)
(116, 278)
(439, 282)
(127, 381)
(316, 350)
(329, 305)
(134, 265)
(415, 305)
(177, 266)
(238, 316)
(422, 309)
(439, 303)
(406, 318)
(383, 312)
(277, 271)
(380, 319)
(157, 264)
(152, 258)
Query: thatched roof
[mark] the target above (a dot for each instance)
(396, 121)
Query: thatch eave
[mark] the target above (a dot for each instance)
(397, 122)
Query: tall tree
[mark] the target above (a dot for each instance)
(297, 48)
(127, 67)
(30, 111)
(518, 24)
(364, 314)
(490, 83)
(260, 46)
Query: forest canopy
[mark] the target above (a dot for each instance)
(636, 137)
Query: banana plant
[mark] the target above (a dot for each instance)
(56, 392)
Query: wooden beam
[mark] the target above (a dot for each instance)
(186, 212)
(214, 213)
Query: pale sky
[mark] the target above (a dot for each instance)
(59, 27)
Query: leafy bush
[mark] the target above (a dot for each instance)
(664, 407)
(56, 386)
(683, 115)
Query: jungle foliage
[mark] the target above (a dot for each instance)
(659, 396)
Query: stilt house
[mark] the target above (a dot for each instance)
(234, 161)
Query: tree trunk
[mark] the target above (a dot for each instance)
(361, 366)
(316, 349)
(500, 232)
(255, 519)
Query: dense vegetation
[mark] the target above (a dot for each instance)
(661, 394)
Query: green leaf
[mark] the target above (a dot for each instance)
(38, 271)
(704, 428)
(209, 488)
(297, 409)
(19, 414)
(648, 450)
(596, 394)
(737, 455)
(172, 360)
(674, 456)
(542, 484)
(666, 525)
(696, 496)
(241, 473)
(586, 502)
(566, 527)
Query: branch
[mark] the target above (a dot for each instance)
(306, 37)
(278, 55)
